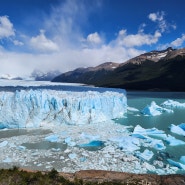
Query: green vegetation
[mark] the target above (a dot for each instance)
(16, 176)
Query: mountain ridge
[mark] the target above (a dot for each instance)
(156, 70)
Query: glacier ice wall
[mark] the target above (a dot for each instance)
(35, 108)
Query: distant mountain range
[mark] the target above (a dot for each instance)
(9, 77)
(38, 75)
(156, 71)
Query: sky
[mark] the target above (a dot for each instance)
(66, 34)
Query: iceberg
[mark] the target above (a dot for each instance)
(172, 141)
(182, 125)
(176, 164)
(154, 110)
(69, 142)
(3, 144)
(146, 155)
(132, 109)
(94, 144)
(37, 108)
(143, 133)
(52, 138)
(173, 104)
(177, 130)
(158, 144)
(182, 160)
(127, 143)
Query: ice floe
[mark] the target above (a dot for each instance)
(176, 164)
(127, 143)
(173, 104)
(3, 144)
(154, 110)
(172, 141)
(182, 160)
(146, 155)
(177, 130)
(182, 125)
(143, 133)
(52, 138)
(94, 144)
(132, 109)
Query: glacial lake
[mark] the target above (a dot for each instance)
(28, 148)
(139, 100)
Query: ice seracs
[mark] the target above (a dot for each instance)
(35, 108)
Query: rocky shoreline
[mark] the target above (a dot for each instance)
(101, 176)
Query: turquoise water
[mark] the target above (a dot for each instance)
(140, 99)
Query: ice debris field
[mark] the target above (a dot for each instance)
(74, 127)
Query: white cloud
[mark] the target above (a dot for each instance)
(159, 18)
(18, 43)
(138, 39)
(94, 38)
(64, 28)
(18, 64)
(6, 27)
(178, 42)
(42, 43)
(175, 43)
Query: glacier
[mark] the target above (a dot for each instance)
(40, 107)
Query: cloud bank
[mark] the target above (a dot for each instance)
(61, 43)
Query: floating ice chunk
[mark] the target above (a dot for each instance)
(132, 109)
(176, 164)
(146, 155)
(82, 159)
(52, 138)
(69, 142)
(158, 144)
(55, 149)
(139, 132)
(7, 160)
(182, 160)
(154, 110)
(72, 156)
(172, 141)
(92, 144)
(182, 125)
(173, 104)
(21, 148)
(142, 133)
(3, 144)
(127, 143)
(89, 136)
(177, 130)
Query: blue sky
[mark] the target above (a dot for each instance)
(66, 34)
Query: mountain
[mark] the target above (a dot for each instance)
(44, 76)
(9, 77)
(156, 70)
(87, 75)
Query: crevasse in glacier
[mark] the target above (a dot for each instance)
(35, 108)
